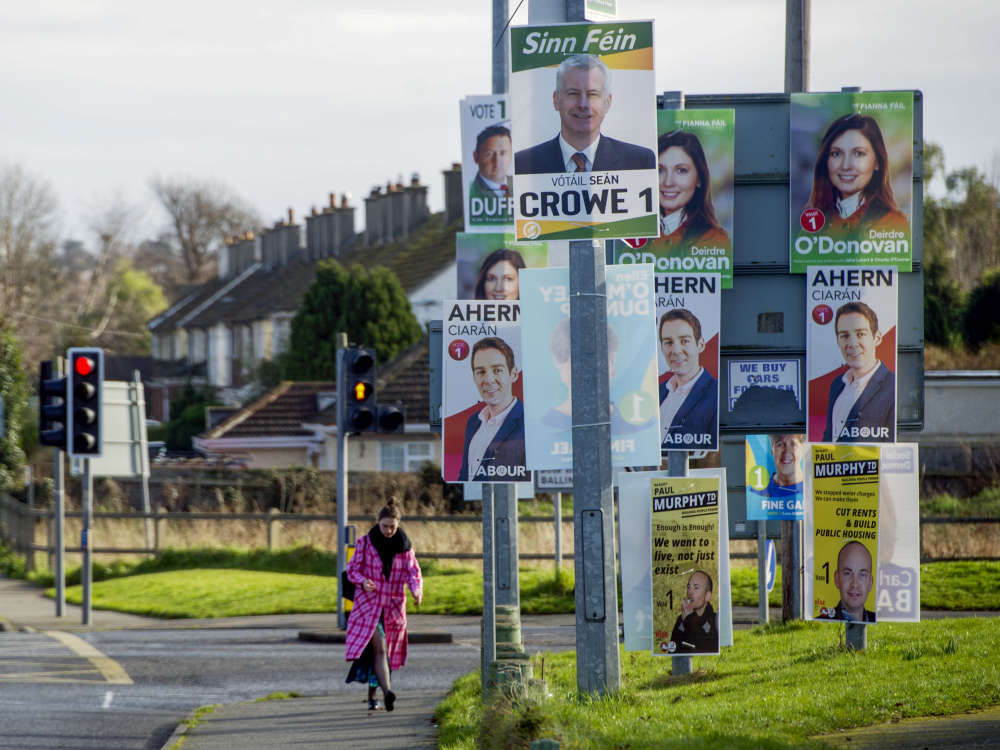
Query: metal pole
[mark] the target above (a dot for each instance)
(137, 412)
(557, 512)
(59, 489)
(87, 572)
(341, 479)
(856, 635)
(797, 14)
(489, 622)
(762, 607)
(597, 666)
(677, 466)
(505, 541)
(29, 536)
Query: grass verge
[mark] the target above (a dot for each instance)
(777, 686)
(233, 592)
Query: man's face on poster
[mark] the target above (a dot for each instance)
(857, 341)
(493, 158)
(788, 451)
(680, 348)
(493, 379)
(854, 576)
(582, 102)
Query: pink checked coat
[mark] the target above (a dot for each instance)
(388, 600)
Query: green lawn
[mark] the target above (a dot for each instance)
(227, 591)
(776, 687)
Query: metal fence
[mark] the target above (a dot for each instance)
(18, 524)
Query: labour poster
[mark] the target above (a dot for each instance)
(483, 433)
(688, 319)
(851, 354)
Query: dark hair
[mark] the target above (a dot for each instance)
(679, 313)
(511, 256)
(390, 510)
(699, 210)
(857, 307)
(492, 342)
(878, 192)
(489, 132)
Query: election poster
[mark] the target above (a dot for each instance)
(487, 164)
(636, 559)
(841, 530)
(483, 431)
(631, 355)
(897, 586)
(487, 264)
(684, 546)
(695, 159)
(851, 180)
(583, 102)
(688, 314)
(775, 472)
(851, 354)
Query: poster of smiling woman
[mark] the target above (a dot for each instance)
(851, 354)
(695, 153)
(851, 179)
(483, 432)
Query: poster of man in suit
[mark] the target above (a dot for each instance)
(483, 430)
(851, 354)
(688, 309)
(487, 161)
(582, 102)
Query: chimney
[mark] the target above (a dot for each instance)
(291, 216)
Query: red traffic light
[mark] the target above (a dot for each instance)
(83, 366)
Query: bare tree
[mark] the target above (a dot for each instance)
(202, 213)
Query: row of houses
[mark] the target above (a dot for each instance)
(219, 333)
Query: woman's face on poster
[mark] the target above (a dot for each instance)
(678, 179)
(501, 281)
(851, 163)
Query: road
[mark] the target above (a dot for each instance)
(128, 689)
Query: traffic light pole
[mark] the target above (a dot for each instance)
(86, 572)
(341, 478)
(59, 488)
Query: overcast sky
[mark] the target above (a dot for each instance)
(306, 97)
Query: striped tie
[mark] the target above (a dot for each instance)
(580, 159)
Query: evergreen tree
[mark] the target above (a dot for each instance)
(13, 391)
(370, 306)
(981, 317)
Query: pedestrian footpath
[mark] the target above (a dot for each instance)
(320, 723)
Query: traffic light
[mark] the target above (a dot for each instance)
(390, 418)
(358, 390)
(86, 374)
(51, 407)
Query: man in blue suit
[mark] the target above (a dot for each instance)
(494, 436)
(582, 97)
(861, 407)
(689, 400)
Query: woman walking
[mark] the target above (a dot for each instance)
(382, 566)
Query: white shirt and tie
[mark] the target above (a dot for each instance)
(572, 161)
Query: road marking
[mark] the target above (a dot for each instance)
(108, 696)
(110, 669)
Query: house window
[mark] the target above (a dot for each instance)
(398, 456)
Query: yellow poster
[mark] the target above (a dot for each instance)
(845, 531)
(684, 541)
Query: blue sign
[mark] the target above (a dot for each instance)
(772, 562)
